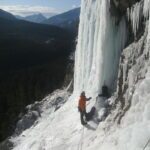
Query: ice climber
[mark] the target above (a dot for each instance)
(105, 92)
(82, 107)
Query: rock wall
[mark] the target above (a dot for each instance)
(133, 68)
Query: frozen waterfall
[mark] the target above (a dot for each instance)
(100, 42)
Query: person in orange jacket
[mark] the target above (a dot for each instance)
(82, 107)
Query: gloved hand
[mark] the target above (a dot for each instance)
(89, 98)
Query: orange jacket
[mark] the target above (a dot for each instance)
(82, 103)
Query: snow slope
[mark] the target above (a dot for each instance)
(62, 129)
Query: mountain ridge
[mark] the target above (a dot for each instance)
(68, 20)
(36, 18)
(6, 15)
(31, 56)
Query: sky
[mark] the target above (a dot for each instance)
(46, 7)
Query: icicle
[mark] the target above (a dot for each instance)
(146, 13)
(134, 14)
(148, 36)
(146, 8)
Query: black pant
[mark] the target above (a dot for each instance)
(83, 115)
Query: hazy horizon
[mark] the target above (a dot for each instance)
(45, 7)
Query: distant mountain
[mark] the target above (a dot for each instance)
(36, 18)
(25, 38)
(6, 15)
(33, 62)
(20, 17)
(68, 20)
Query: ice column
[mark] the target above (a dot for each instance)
(100, 41)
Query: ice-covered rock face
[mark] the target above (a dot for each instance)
(134, 61)
(133, 67)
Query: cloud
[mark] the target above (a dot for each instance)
(25, 10)
(74, 6)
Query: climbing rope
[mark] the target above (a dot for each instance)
(81, 142)
(146, 144)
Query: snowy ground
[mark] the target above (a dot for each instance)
(61, 130)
